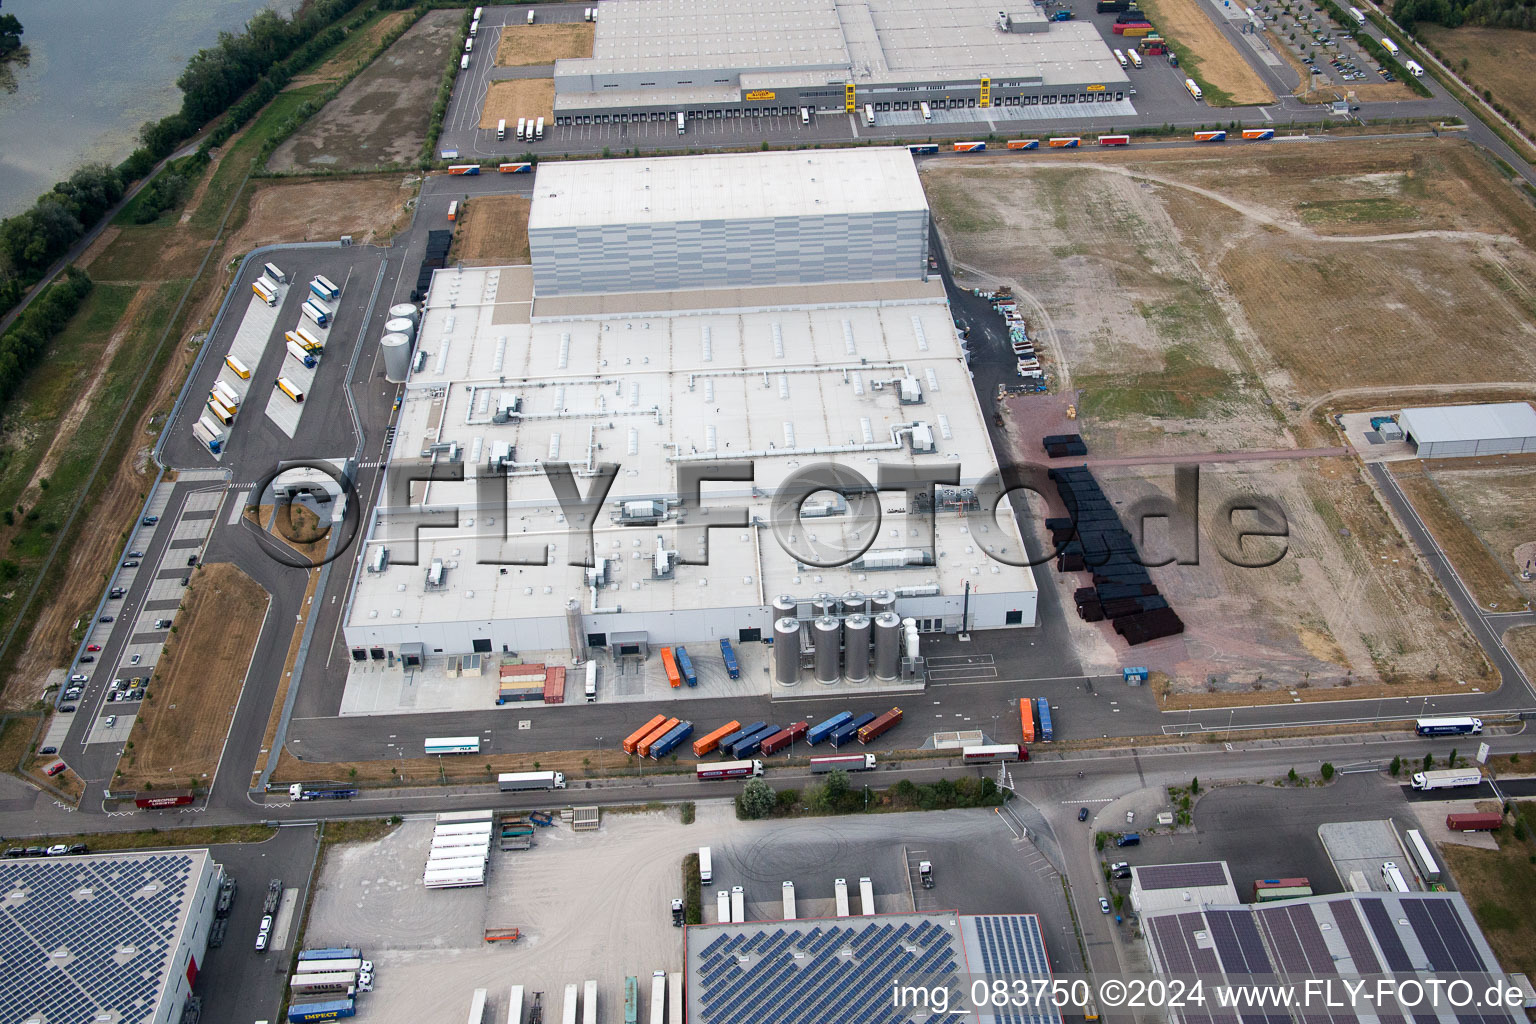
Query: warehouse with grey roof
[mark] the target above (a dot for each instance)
(1459, 431)
(906, 60)
(104, 937)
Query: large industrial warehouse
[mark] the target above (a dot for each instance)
(116, 937)
(656, 59)
(756, 384)
(1460, 431)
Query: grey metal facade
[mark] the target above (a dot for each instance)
(601, 259)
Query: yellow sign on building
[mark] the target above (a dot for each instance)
(848, 97)
(1095, 88)
(761, 94)
(986, 92)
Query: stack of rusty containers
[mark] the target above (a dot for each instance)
(1092, 539)
(521, 682)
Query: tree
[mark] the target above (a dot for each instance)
(1194, 784)
(757, 799)
(1291, 775)
(1450, 761)
(1327, 770)
(836, 786)
(10, 35)
(1396, 767)
(1429, 761)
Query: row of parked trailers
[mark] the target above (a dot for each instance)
(461, 848)
(658, 737)
(1076, 141)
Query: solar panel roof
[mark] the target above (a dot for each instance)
(1178, 876)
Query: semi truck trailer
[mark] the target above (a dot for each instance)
(1449, 778)
(1448, 726)
(842, 762)
(728, 770)
(509, 782)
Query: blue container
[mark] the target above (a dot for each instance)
(685, 666)
(732, 669)
(748, 746)
(736, 737)
(820, 732)
(663, 747)
(1046, 732)
(849, 730)
(335, 1009)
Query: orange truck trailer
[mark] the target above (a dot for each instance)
(668, 662)
(633, 739)
(1027, 718)
(711, 741)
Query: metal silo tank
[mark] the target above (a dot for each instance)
(856, 630)
(397, 357)
(400, 325)
(887, 632)
(824, 604)
(406, 310)
(786, 651)
(827, 632)
(881, 601)
(854, 602)
(785, 605)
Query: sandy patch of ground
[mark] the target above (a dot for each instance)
(1186, 23)
(492, 230)
(524, 45)
(1483, 517)
(369, 209)
(518, 97)
(180, 732)
(1347, 607)
(1521, 642)
(380, 118)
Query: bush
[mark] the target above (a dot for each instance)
(693, 897)
(687, 812)
(1327, 771)
(1396, 767)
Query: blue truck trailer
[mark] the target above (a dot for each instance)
(725, 744)
(849, 730)
(732, 668)
(819, 732)
(332, 953)
(749, 744)
(662, 747)
(333, 1009)
(685, 666)
(1046, 732)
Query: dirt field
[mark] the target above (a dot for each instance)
(524, 45)
(380, 117)
(1493, 511)
(518, 97)
(369, 209)
(180, 732)
(492, 230)
(1521, 642)
(1232, 82)
(1497, 59)
(1370, 615)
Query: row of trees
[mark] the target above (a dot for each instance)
(1520, 14)
(214, 81)
(23, 345)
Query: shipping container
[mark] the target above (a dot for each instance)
(1121, 58)
(732, 667)
(588, 990)
(522, 129)
(849, 729)
(331, 953)
(709, 742)
(227, 394)
(749, 744)
(322, 983)
(330, 966)
(1448, 778)
(738, 904)
(170, 798)
(453, 210)
(302, 354)
(278, 276)
(880, 726)
(669, 665)
(1423, 858)
(822, 730)
(538, 130)
(633, 739)
(924, 149)
(1258, 134)
(867, 896)
(317, 311)
(1043, 707)
(1267, 890)
(1474, 821)
(511, 781)
(221, 412)
(659, 997)
(969, 147)
(1135, 59)
(1193, 89)
(309, 339)
(631, 1001)
(290, 389)
(1065, 142)
(569, 1008)
(706, 866)
(728, 770)
(723, 906)
(334, 1009)
(840, 890)
(589, 690)
(210, 434)
(1393, 876)
(727, 742)
(515, 168)
(869, 114)
(685, 666)
(1211, 136)
(515, 1005)
(1023, 143)
(789, 901)
(643, 748)
(324, 289)
(453, 745)
(784, 737)
(1114, 140)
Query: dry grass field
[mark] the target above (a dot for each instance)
(1500, 60)
(525, 45)
(370, 209)
(1231, 292)
(518, 97)
(1206, 51)
(492, 230)
(1483, 517)
(180, 732)
(1521, 642)
(1500, 887)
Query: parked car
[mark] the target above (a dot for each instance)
(80, 848)
(86, 659)
(132, 563)
(16, 851)
(35, 851)
(186, 580)
(57, 850)
(105, 618)
(150, 520)
(114, 695)
(1082, 814)
(77, 678)
(191, 559)
(54, 769)
(162, 623)
(1103, 905)
(66, 708)
(136, 694)
(134, 660)
(47, 750)
(114, 592)
(261, 942)
(93, 647)
(111, 720)
(72, 693)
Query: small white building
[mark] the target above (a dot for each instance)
(1192, 886)
(1457, 431)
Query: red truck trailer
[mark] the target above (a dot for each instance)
(169, 798)
(784, 737)
(880, 725)
(1474, 821)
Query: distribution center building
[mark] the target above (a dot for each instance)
(117, 936)
(655, 59)
(1454, 431)
(758, 384)
(728, 221)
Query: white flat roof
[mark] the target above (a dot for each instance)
(1440, 423)
(783, 388)
(720, 186)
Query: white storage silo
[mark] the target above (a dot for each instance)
(827, 633)
(786, 651)
(397, 357)
(887, 645)
(856, 629)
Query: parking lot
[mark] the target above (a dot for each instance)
(596, 904)
(1314, 39)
